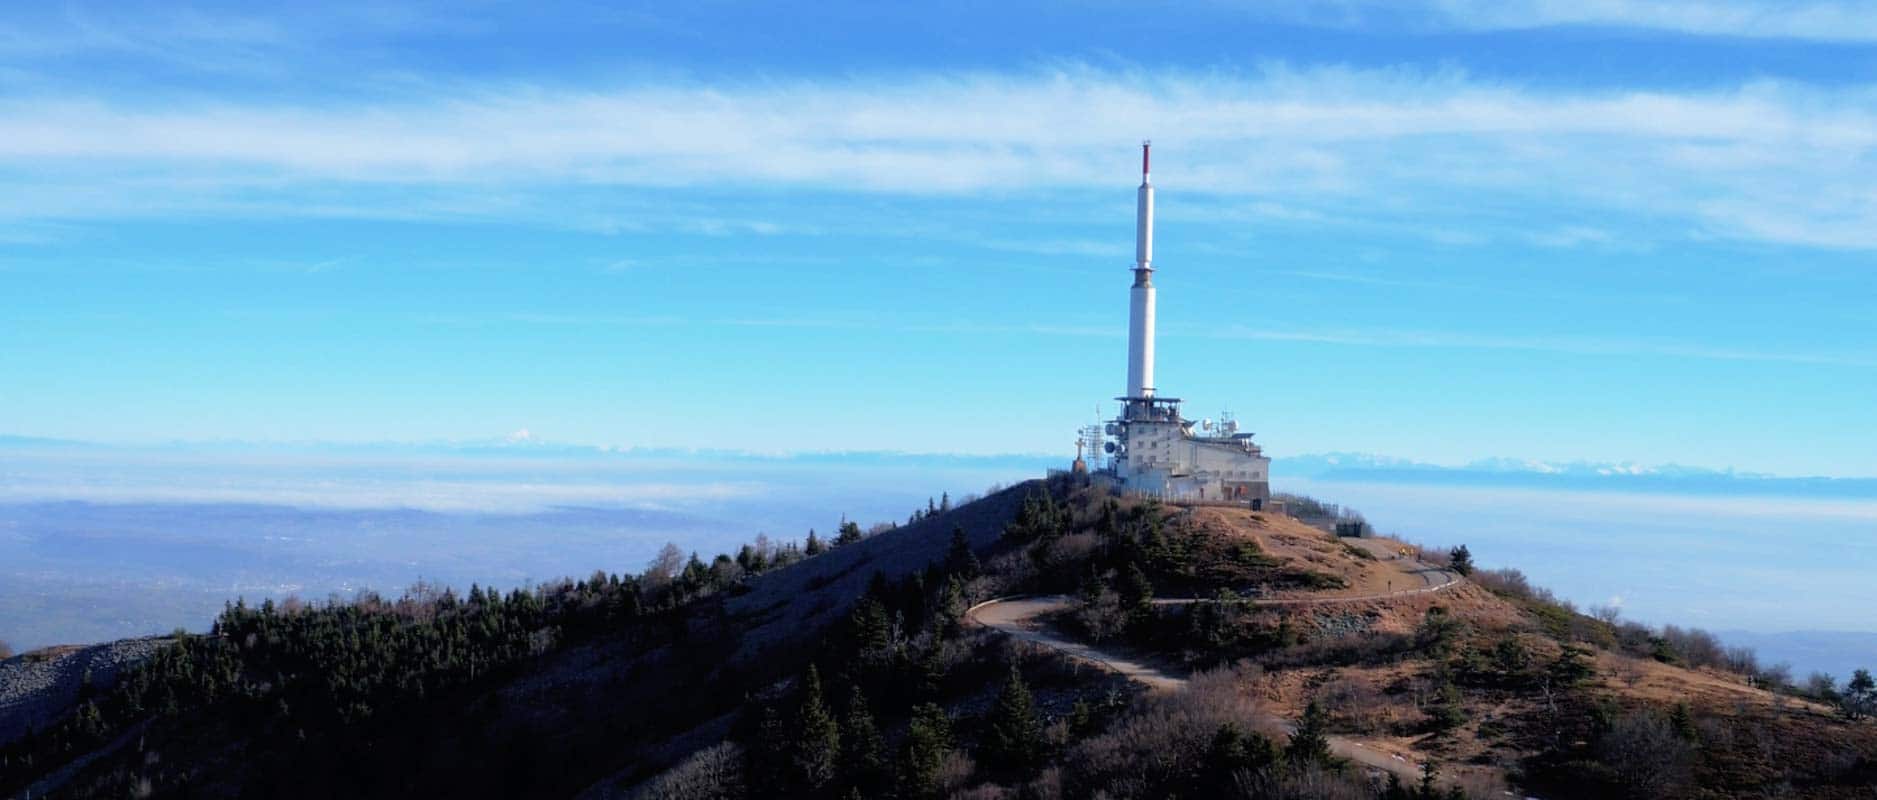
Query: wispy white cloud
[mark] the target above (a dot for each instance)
(1452, 155)
(1568, 345)
(1616, 346)
(1820, 20)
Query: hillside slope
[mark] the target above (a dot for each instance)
(546, 693)
(857, 672)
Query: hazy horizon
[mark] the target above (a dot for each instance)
(144, 546)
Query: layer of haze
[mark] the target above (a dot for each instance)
(103, 542)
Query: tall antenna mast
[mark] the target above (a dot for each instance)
(1140, 385)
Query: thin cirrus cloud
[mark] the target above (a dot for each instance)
(1793, 161)
(1761, 19)
(1566, 345)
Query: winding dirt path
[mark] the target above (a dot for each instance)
(1021, 618)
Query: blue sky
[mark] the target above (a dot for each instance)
(1444, 230)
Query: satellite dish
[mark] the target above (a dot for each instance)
(1108, 447)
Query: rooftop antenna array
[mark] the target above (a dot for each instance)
(1090, 442)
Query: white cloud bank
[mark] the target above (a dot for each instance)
(1768, 161)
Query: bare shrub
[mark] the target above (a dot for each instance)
(664, 566)
(713, 773)
(1821, 686)
(1635, 638)
(955, 772)
(1074, 548)
(1374, 648)
(1743, 660)
(1509, 582)
(1013, 569)
(983, 791)
(1046, 786)
(1101, 616)
(1359, 707)
(1310, 782)
(1643, 751)
(1776, 678)
(1629, 671)
(1165, 737)
(1697, 647)
(1434, 555)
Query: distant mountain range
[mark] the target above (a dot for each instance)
(1501, 472)
(529, 447)
(1836, 653)
(1579, 475)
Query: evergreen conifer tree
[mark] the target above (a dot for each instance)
(1447, 711)
(768, 754)
(928, 740)
(1015, 739)
(959, 560)
(814, 547)
(863, 752)
(1462, 560)
(1232, 751)
(952, 607)
(1430, 777)
(1860, 695)
(1137, 593)
(871, 632)
(1081, 719)
(1309, 743)
(1682, 719)
(816, 740)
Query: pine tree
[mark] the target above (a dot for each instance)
(959, 560)
(814, 547)
(1571, 668)
(928, 740)
(1232, 751)
(1860, 695)
(1682, 719)
(1038, 519)
(1309, 743)
(863, 752)
(816, 740)
(1081, 719)
(694, 572)
(849, 533)
(768, 754)
(1137, 593)
(871, 633)
(952, 608)
(1462, 560)
(1430, 780)
(1015, 739)
(1394, 790)
(930, 671)
(1447, 711)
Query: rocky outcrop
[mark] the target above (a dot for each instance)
(38, 687)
